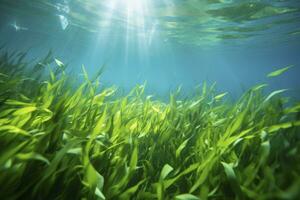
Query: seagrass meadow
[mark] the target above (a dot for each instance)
(64, 142)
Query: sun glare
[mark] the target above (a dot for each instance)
(135, 7)
(131, 7)
(136, 25)
(133, 14)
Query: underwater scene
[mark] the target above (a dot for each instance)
(150, 99)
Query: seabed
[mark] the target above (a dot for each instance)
(61, 142)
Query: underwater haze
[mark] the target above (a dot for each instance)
(166, 43)
(150, 99)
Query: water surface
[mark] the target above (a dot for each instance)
(164, 43)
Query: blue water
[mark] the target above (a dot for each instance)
(164, 44)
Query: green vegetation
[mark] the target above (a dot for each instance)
(279, 71)
(61, 142)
